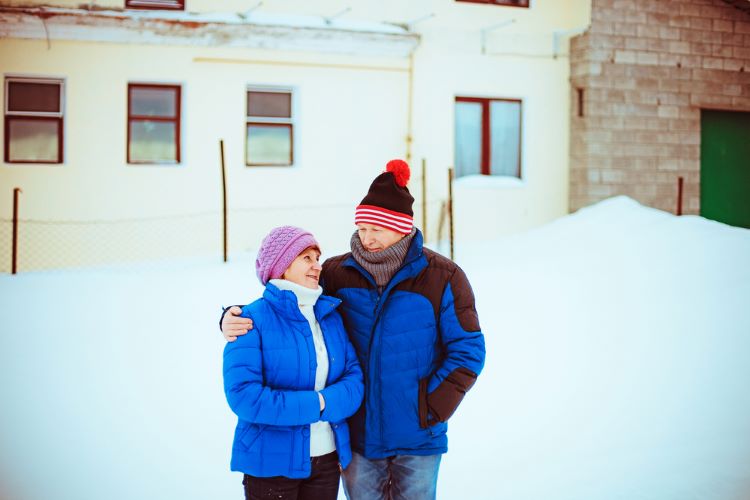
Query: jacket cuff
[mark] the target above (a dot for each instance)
(310, 407)
(443, 401)
(328, 397)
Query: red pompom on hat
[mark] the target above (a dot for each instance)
(400, 170)
(388, 202)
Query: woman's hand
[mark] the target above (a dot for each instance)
(322, 402)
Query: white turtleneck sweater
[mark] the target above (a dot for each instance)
(321, 434)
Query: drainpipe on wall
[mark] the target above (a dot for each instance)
(410, 104)
(409, 108)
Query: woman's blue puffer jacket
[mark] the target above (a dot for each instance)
(269, 380)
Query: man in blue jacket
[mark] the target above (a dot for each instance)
(410, 315)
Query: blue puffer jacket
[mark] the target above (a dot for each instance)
(419, 344)
(269, 380)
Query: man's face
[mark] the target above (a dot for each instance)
(376, 238)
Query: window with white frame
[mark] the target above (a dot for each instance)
(34, 120)
(269, 133)
(488, 137)
(155, 4)
(153, 123)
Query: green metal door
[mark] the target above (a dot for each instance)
(725, 167)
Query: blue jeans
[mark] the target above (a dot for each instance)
(401, 477)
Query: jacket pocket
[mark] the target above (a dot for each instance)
(424, 417)
(251, 435)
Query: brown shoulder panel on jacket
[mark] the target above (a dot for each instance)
(431, 282)
(441, 271)
(335, 275)
(463, 301)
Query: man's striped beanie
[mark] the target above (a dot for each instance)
(388, 202)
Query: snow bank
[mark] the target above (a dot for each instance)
(618, 361)
(618, 358)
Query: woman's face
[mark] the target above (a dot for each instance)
(305, 269)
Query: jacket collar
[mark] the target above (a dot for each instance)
(285, 303)
(413, 263)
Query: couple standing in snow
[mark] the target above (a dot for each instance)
(358, 382)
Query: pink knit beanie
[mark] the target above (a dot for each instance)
(279, 248)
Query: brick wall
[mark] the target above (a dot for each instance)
(646, 68)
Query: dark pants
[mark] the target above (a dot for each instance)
(323, 483)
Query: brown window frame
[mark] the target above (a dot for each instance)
(177, 119)
(155, 4)
(485, 164)
(271, 122)
(46, 116)
(502, 3)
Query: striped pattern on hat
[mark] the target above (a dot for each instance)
(388, 202)
(379, 216)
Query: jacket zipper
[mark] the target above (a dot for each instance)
(376, 312)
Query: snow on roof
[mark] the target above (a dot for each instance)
(256, 17)
(250, 29)
(488, 181)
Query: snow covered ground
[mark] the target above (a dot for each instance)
(618, 367)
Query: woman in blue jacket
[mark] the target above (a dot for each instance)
(293, 380)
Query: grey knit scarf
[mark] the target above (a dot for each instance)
(382, 265)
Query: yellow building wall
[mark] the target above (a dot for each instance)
(160, 211)
(518, 60)
(352, 115)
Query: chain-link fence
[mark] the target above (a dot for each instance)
(55, 244)
(49, 243)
